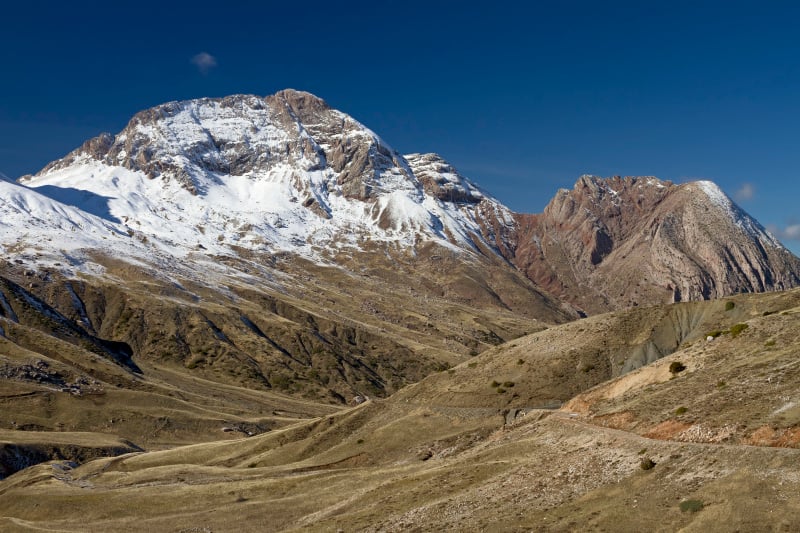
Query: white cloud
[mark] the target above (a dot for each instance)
(746, 192)
(790, 232)
(204, 62)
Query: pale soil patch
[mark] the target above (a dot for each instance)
(667, 430)
(780, 438)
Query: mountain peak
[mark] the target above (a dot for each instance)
(285, 171)
(596, 243)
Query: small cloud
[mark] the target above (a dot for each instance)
(746, 192)
(786, 233)
(791, 232)
(204, 62)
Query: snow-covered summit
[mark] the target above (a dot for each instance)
(745, 222)
(284, 172)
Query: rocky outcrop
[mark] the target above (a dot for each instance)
(16, 456)
(245, 134)
(618, 242)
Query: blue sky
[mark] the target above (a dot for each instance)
(522, 97)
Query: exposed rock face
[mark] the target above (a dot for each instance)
(244, 134)
(611, 243)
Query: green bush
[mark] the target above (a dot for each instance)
(737, 329)
(714, 334)
(495, 384)
(691, 506)
(680, 410)
(729, 306)
(508, 384)
(770, 343)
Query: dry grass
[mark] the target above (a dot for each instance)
(446, 454)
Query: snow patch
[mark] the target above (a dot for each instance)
(745, 222)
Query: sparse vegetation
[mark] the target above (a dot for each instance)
(495, 384)
(680, 410)
(770, 342)
(729, 306)
(715, 333)
(520, 361)
(647, 464)
(691, 506)
(737, 329)
(676, 367)
(508, 384)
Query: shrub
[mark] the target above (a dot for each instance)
(508, 384)
(495, 384)
(676, 366)
(729, 306)
(691, 506)
(472, 364)
(500, 390)
(647, 464)
(736, 329)
(520, 361)
(680, 410)
(714, 334)
(770, 343)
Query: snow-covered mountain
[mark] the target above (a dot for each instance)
(281, 173)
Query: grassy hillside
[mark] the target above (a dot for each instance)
(444, 454)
